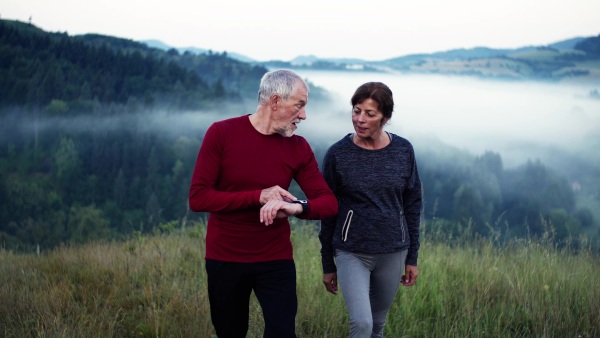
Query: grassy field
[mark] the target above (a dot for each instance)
(155, 286)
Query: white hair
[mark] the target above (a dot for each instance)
(282, 82)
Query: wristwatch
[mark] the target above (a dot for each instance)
(304, 204)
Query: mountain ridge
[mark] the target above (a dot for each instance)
(300, 59)
(564, 59)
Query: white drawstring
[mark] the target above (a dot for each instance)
(347, 225)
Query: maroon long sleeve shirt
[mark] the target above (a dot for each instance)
(235, 163)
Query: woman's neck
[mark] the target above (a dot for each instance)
(381, 140)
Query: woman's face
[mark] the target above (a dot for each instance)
(368, 121)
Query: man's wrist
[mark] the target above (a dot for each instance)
(304, 204)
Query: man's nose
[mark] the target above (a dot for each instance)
(302, 114)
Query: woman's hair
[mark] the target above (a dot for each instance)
(282, 82)
(378, 92)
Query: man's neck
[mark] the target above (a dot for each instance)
(261, 122)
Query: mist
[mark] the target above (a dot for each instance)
(519, 120)
(118, 154)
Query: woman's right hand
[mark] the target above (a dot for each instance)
(330, 281)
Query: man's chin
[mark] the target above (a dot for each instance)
(289, 131)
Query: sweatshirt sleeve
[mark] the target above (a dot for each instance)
(328, 224)
(412, 199)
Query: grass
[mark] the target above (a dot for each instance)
(155, 286)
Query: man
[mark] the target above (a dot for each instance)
(242, 175)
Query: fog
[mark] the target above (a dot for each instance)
(513, 118)
(518, 120)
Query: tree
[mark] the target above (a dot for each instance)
(120, 189)
(67, 167)
(87, 224)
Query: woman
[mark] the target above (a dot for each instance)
(374, 239)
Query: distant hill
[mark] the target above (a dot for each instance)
(161, 45)
(567, 44)
(576, 59)
(562, 60)
(62, 73)
(567, 59)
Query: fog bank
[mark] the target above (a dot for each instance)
(468, 113)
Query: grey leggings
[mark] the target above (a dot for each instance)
(369, 283)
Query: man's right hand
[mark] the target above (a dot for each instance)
(276, 193)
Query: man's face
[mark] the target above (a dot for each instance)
(291, 111)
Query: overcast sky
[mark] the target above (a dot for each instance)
(281, 29)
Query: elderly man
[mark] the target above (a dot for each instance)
(242, 175)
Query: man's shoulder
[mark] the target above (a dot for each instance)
(296, 139)
(232, 121)
(229, 125)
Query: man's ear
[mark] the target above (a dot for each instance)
(274, 99)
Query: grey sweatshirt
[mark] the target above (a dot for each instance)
(379, 197)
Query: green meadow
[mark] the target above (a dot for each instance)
(154, 285)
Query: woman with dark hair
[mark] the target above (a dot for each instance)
(372, 245)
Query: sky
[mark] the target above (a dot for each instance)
(282, 30)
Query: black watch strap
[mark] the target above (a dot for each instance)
(304, 204)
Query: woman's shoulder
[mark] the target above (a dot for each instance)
(341, 144)
(400, 141)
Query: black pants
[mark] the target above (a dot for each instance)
(229, 289)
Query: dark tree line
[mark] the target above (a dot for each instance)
(480, 194)
(591, 46)
(75, 185)
(76, 73)
(78, 161)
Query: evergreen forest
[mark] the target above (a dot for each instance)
(99, 136)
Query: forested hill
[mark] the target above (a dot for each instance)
(55, 71)
(576, 59)
(99, 137)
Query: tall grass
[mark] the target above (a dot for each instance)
(155, 286)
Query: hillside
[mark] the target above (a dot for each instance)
(62, 73)
(541, 63)
(575, 59)
(155, 286)
(124, 121)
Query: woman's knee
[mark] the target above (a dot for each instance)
(362, 327)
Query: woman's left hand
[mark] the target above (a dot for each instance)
(410, 275)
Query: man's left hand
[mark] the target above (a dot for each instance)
(274, 209)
